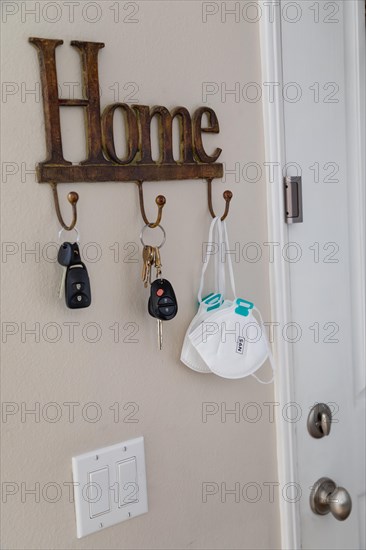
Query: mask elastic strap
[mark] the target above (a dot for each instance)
(215, 238)
(269, 351)
(229, 261)
(220, 276)
(207, 259)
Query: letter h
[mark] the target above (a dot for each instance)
(52, 103)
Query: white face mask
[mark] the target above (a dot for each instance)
(189, 356)
(231, 341)
(226, 339)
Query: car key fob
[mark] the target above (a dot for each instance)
(66, 254)
(162, 302)
(77, 287)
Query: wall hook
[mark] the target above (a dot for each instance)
(73, 199)
(227, 196)
(160, 201)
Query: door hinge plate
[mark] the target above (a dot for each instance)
(293, 199)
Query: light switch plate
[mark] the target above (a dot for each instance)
(109, 486)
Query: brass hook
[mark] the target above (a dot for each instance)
(73, 199)
(160, 201)
(227, 196)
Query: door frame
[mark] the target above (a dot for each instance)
(275, 151)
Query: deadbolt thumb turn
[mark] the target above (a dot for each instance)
(319, 420)
(326, 497)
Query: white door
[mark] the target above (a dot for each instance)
(314, 52)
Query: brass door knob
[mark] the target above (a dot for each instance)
(326, 497)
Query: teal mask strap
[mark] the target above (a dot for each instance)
(244, 307)
(213, 301)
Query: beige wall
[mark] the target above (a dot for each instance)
(168, 54)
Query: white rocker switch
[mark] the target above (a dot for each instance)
(109, 486)
(127, 482)
(99, 492)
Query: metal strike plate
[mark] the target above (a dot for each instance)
(293, 199)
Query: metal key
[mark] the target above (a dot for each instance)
(64, 258)
(157, 262)
(160, 334)
(148, 259)
(61, 291)
(158, 266)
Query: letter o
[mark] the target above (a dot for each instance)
(246, 8)
(51, 419)
(45, 15)
(86, 492)
(98, 335)
(98, 409)
(297, 87)
(298, 410)
(258, 409)
(298, 492)
(255, 259)
(286, 256)
(108, 136)
(57, 336)
(45, 488)
(245, 95)
(258, 172)
(98, 15)
(296, 337)
(245, 488)
(285, 12)
(258, 332)
(94, 258)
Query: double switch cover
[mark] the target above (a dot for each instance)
(109, 486)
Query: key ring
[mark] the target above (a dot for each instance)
(76, 231)
(143, 231)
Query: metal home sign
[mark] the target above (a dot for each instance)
(102, 162)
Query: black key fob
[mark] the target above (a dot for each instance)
(162, 302)
(77, 287)
(69, 254)
(65, 254)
